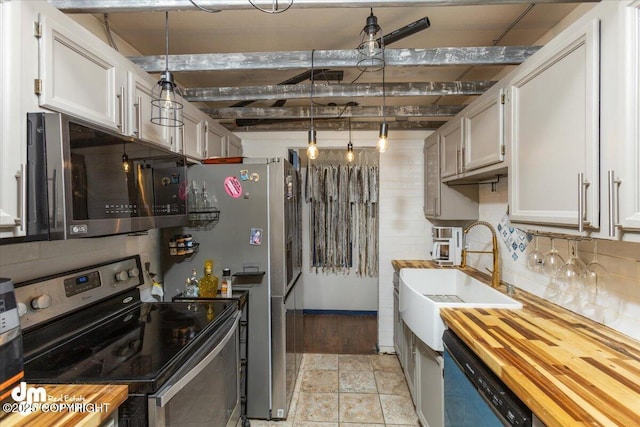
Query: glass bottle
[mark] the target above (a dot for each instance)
(206, 202)
(194, 197)
(192, 285)
(209, 282)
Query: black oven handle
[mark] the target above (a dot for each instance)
(172, 388)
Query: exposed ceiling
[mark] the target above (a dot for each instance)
(241, 54)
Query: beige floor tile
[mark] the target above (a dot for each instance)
(385, 362)
(361, 425)
(357, 382)
(320, 361)
(317, 381)
(313, 424)
(360, 408)
(391, 382)
(354, 362)
(263, 423)
(398, 410)
(317, 407)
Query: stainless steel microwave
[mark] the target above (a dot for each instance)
(87, 181)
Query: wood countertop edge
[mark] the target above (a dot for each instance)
(563, 397)
(97, 394)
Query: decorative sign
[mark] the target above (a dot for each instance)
(233, 187)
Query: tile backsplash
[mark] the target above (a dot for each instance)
(616, 304)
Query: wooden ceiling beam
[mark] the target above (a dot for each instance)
(110, 6)
(333, 112)
(348, 58)
(274, 92)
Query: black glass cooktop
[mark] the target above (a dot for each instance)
(139, 345)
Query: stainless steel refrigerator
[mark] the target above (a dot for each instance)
(257, 236)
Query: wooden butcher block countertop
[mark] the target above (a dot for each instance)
(105, 400)
(569, 370)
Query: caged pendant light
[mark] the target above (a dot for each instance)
(312, 147)
(371, 48)
(165, 106)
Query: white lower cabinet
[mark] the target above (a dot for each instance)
(429, 386)
(410, 360)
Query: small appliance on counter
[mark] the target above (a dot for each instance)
(447, 245)
(11, 368)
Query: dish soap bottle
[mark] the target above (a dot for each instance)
(209, 283)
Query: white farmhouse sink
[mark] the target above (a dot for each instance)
(424, 291)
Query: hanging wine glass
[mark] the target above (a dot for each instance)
(552, 261)
(535, 259)
(570, 276)
(597, 284)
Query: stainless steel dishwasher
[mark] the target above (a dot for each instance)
(473, 395)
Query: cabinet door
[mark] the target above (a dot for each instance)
(429, 386)
(233, 146)
(432, 176)
(484, 132)
(410, 358)
(554, 129)
(451, 140)
(192, 136)
(140, 89)
(624, 171)
(216, 140)
(79, 74)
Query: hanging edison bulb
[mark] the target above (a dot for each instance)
(371, 48)
(350, 156)
(312, 147)
(383, 141)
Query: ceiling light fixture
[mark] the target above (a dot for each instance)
(383, 142)
(371, 48)
(312, 148)
(165, 107)
(350, 155)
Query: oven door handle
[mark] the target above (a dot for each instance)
(165, 394)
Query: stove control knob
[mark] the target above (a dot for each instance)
(41, 302)
(22, 309)
(121, 276)
(134, 272)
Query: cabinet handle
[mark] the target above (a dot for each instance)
(462, 160)
(182, 144)
(120, 97)
(614, 211)
(436, 211)
(21, 177)
(582, 209)
(139, 117)
(458, 160)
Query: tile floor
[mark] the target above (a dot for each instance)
(349, 391)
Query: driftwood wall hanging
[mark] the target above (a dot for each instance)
(343, 209)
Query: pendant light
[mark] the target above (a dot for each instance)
(165, 106)
(383, 142)
(371, 48)
(312, 147)
(350, 156)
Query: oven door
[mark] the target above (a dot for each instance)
(207, 390)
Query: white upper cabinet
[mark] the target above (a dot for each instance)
(621, 141)
(140, 87)
(191, 136)
(483, 141)
(234, 146)
(451, 141)
(442, 202)
(215, 139)
(79, 74)
(553, 128)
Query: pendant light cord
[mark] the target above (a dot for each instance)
(312, 87)
(384, 98)
(166, 41)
